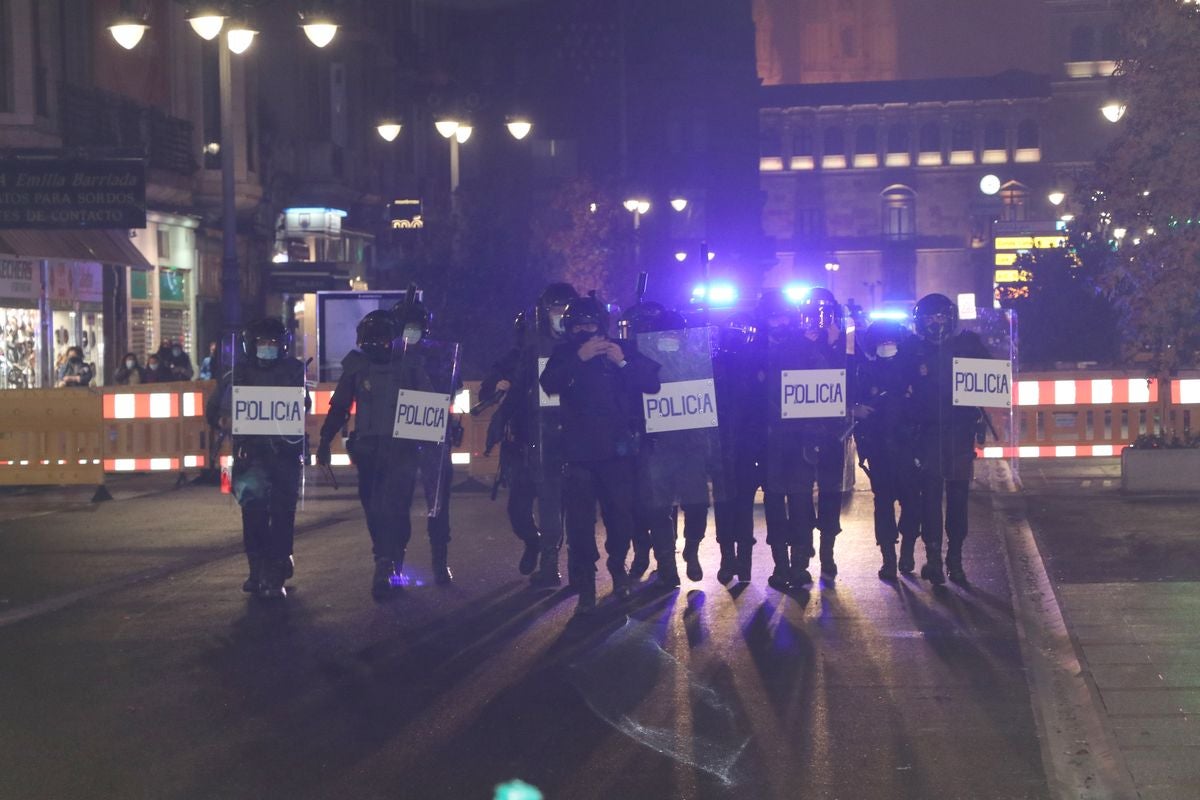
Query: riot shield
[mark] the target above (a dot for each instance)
(267, 414)
(680, 461)
(426, 378)
(545, 412)
(809, 434)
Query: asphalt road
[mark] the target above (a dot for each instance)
(132, 666)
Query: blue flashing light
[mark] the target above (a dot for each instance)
(894, 314)
(722, 294)
(699, 291)
(796, 292)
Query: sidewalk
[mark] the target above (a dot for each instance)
(1126, 572)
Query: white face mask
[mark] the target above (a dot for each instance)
(668, 344)
(130, 363)
(412, 334)
(556, 322)
(887, 350)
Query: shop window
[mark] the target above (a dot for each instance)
(899, 212)
(163, 235)
(20, 356)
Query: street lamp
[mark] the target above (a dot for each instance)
(319, 28)
(519, 127)
(679, 203)
(831, 267)
(208, 22)
(388, 130)
(1113, 111)
(1056, 197)
(449, 129)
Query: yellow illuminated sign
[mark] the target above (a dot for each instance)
(1014, 242)
(1012, 276)
(1005, 259)
(1049, 241)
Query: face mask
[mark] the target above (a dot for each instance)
(668, 345)
(886, 350)
(267, 352)
(556, 323)
(76, 359)
(153, 365)
(130, 363)
(581, 337)
(175, 351)
(412, 334)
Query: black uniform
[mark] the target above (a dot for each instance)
(743, 430)
(886, 438)
(266, 477)
(601, 409)
(387, 467)
(530, 453)
(801, 454)
(945, 446)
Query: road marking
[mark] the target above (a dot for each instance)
(1080, 755)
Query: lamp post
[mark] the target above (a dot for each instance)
(208, 21)
(458, 132)
(832, 265)
(637, 206)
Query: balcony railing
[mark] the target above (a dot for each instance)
(96, 118)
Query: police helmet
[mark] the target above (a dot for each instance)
(641, 317)
(267, 329)
(375, 334)
(883, 331)
(520, 326)
(584, 311)
(737, 332)
(557, 294)
(935, 318)
(405, 314)
(819, 310)
(774, 305)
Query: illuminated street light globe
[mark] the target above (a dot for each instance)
(388, 131)
(679, 203)
(128, 31)
(462, 133)
(519, 128)
(631, 205)
(1113, 111)
(989, 184)
(446, 127)
(1056, 197)
(319, 30)
(240, 36)
(206, 22)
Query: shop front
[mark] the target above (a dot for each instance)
(77, 313)
(162, 300)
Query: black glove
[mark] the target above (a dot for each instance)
(324, 457)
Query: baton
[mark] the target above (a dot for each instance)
(484, 405)
(328, 472)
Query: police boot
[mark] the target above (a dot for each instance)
(529, 556)
(780, 579)
(546, 576)
(888, 571)
(289, 567)
(384, 578)
(907, 561)
(745, 560)
(255, 577)
(586, 584)
(641, 561)
(441, 570)
(954, 567)
(274, 573)
(801, 555)
(932, 571)
(667, 576)
(828, 565)
(691, 557)
(729, 565)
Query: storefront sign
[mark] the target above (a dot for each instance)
(20, 279)
(406, 214)
(64, 193)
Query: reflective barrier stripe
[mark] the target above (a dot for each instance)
(1098, 391)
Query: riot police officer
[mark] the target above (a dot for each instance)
(599, 382)
(387, 468)
(884, 433)
(266, 468)
(411, 321)
(531, 453)
(802, 453)
(743, 433)
(945, 433)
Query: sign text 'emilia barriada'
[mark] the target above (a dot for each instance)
(72, 193)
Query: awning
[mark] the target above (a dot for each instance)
(105, 246)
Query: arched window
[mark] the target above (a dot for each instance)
(833, 155)
(1015, 197)
(1081, 47)
(899, 205)
(864, 140)
(898, 145)
(1027, 135)
(835, 142)
(769, 143)
(929, 141)
(962, 143)
(802, 142)
(993, 135)
(865, 146)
